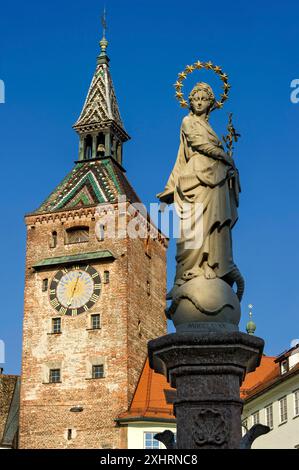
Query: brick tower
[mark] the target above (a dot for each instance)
(92, 300)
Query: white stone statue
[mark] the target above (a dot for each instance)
(204, 173)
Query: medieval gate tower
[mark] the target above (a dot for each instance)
(92, 302)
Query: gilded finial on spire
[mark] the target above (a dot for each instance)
(251, 326)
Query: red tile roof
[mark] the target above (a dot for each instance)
(150, 402)
(266, 371)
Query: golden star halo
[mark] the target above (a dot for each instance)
(197, 66)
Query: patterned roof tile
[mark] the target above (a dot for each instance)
(90, 183)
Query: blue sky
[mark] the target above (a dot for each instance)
(48, 54)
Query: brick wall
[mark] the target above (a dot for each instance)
(132, 312)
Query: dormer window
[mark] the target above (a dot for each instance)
(77, 235)
(284, 366)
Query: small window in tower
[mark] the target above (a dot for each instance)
(113, 146)
(77, 235)
(53, 240)
(98, 371)
(95, 321)
(54, 376)
(100, 145)
(106, 277)
(45, 285)
(148, 288)
(69, 434)
(88, 147)
(100, 232)
(56, 325)
(119, 152)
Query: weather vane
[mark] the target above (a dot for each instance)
(232, 135)
(104, 22)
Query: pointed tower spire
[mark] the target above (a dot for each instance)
(99, 125)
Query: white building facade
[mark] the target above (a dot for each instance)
(275, 403)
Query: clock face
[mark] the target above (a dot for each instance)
(75, 290)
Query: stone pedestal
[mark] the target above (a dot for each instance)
(207, 369)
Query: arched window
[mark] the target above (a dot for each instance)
(53, 240)
(100, 232)
(77, 235)
(101, 145)
(88, 147)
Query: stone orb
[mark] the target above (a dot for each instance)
(205, 300)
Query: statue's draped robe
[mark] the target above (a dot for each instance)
(198, 177)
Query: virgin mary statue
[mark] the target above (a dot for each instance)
(204, 173)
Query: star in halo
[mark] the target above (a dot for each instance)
(178, 85)
(182, 75)
(198, 64)
(184, 104)
(209, 65)
(224, 76)
(179, 95)
(217, 69)
(189, 68)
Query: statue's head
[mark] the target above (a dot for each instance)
(201, 99)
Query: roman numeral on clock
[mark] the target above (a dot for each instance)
(97, 286)
(63, 310)
(94, 298)
(95, 275)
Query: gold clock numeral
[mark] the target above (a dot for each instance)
(95, 275)
(52, 291)
(74, 312)
(76, 267)
(85, 307)
(55, 280)
(97, 286)
(94, 298)
(55, 303)
(65, 271)
(87, 267)
(63, 310)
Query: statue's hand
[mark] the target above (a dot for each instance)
(231, 162)
(166, 197)
(231, 173)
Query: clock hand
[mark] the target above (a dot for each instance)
(74, 289)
